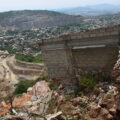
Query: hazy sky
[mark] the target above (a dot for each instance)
(6, 5)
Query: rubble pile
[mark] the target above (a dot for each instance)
(41, 103)
(35, 101)
(4, 107)
(41, 95)
(106, 105)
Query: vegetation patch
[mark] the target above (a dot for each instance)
(86, 83)
(22, 86)
(29, 58)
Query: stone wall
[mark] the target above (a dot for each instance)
(89, 50)
(95, 58)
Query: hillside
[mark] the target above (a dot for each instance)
(29, 19)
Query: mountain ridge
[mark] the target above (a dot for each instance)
(30, 19)
(94, 10)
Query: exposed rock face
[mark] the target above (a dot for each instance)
(5, 76)
(107, 106)
(41, 88)
(116, 70)
(21, 101)
(35, 101)
(102, 106)
(25, 70)
(41, 95)
(4, 108)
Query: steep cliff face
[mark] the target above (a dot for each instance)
(25, 20)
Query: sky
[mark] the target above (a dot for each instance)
(7, 5)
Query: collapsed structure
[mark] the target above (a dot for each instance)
(90, 50)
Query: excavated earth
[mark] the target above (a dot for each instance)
(41, 103)
(13, 71)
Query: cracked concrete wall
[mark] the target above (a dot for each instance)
(88, 50)
(95, 58)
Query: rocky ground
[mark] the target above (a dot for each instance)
(42, 103)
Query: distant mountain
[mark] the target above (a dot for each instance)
(29, 19)
(95, 10)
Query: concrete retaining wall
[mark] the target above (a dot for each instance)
(96, 58)
(89, 50)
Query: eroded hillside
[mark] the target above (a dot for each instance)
(13, 71)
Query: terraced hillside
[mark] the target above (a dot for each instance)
(12, 71)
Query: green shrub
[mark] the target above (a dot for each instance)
(51, 86)
(37, 59)
(28, 58)
(87, 82)
(25, 58)
(22, 87)
(42, 78)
